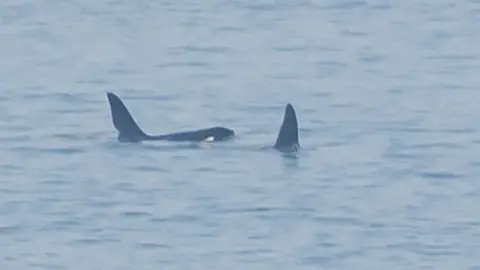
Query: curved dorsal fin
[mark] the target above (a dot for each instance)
(128, 130)
(287, 139)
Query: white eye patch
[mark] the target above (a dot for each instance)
(209, 139)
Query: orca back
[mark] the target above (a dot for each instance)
(287, 139)
(212, 134)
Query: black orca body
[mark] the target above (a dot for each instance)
(129, 131)
(287, 139)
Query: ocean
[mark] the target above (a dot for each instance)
(387, 98)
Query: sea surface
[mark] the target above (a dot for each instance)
(387, 95)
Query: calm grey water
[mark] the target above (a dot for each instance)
(387, 94)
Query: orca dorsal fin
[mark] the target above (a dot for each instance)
(128, 130)
(287, 139)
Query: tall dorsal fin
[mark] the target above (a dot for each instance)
(128, 130)
(287, 139)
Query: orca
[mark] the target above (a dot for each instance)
(287, 139)
(129, 131)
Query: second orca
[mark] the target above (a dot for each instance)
(287, 139)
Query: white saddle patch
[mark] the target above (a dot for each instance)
(209, 139)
